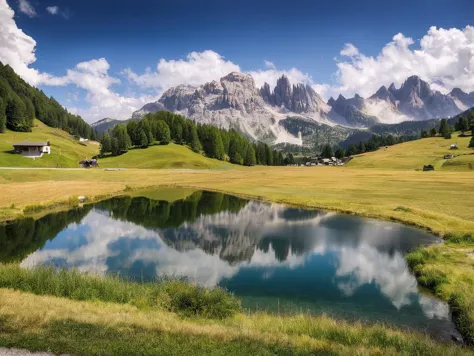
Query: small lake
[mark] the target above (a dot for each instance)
(274, 257)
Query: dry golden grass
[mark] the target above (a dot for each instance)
(440, 201)
(414, 155)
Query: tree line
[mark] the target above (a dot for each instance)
(163, 127)
(20, 104)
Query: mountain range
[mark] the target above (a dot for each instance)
(295, 113)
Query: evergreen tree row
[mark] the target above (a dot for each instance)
(20, 104)
(375, 142)
(163, 127)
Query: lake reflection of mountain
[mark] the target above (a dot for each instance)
(342, 265)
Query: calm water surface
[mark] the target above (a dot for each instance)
(274, 257)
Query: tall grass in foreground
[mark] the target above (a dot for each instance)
(448, 270)
(171, 295)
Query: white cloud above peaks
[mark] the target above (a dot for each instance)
(444, 58)
(25, 7)
(196, 69)
(53, 10)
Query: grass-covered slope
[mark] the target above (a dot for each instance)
(66, 151)
(167, 156)
(414, 155)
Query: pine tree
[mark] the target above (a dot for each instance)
(268, 156)
(250, 159)
(29, 114)
(463, 124)
(443, 127)
(15, 113)
(143, 139)
(163, 133)
(115, 147)
(3, 117)
(105, 144)
(178, 133)
(217, 145)
(340, 153)
(327, 151)
(133, 131)
(361, 147)
(120, 133)
(194, 139)
(471, 143)
(433, 132)
(351, 150)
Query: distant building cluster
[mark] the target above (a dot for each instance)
(320, 161)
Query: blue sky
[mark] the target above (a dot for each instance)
(307, 36)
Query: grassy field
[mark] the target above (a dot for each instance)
(66, 151)
(169, 156)
(108, 317)
(414, 155)
(422, 199)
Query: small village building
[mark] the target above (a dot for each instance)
(82, 139)
(428, 167)
(454, 146)
(32, 149)
(448, 156)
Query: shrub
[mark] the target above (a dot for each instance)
(458, 238)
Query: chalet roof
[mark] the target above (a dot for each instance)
(30, 144)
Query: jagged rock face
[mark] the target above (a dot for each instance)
(417, 101)
(462, 99)
(282, 92)
(351, 110)
(298, 98)
(235, 102)
(385, 94)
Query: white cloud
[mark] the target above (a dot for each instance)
(198, 68)
(269, 65)
(349, 50)
(53, 10)
(445, 59)
(16, 48)
(26, 8)
(271, 76)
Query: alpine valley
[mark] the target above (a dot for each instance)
(296, 114)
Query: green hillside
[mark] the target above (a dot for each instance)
(66, 151)
(414, 154)
(168, 156)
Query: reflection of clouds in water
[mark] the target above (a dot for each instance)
(358, 263)
(366, 265)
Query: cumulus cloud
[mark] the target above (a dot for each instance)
(201, 67)
(445, 59)
(18, 50)
(53, 10)
(198, 68)
(26, 8)
(271, 76)
(269, 64)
